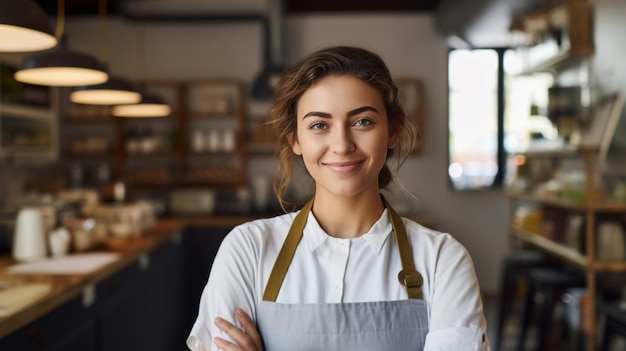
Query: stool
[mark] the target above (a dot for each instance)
(550, 282)
(615, 325)
(515, 268)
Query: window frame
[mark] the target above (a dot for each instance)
(501, 155)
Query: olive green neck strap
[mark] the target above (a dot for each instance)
(286, 254)
(408, 277)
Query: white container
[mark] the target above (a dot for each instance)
(611, 242)
(29, 242)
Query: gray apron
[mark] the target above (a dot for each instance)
(362, 326)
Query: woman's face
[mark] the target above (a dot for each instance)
(343, 135)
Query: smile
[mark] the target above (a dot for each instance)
(343, 167)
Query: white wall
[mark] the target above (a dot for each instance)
(409, 45)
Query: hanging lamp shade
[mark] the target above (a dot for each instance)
(24, 27)
(61, 67)
(151, 105)
(115, 91)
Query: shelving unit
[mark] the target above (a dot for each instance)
(165, 153)
(202, 144)
(590, 207)
(88, 132)
(551, 52)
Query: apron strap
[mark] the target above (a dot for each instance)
(409, 277)
(286, 254)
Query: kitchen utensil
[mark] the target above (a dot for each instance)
(29, 242)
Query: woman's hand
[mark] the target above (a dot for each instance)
(248, 338)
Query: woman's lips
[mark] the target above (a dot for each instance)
(343, 167)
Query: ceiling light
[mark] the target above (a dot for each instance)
(24, 27)
(115, 91)
(150, 106)
(61, 67)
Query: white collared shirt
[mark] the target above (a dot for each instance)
(326, 269)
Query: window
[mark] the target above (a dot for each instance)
(480, 130)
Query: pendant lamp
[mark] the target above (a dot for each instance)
(151, 105)
(114, 91)
(24, 27)
(63, 68)
(60, 66)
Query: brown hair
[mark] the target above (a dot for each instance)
(339, 60)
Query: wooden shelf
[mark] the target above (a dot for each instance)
(558, 62)
(577, 28)
(590, 208)
(213, 153)
(606, 206)
(82, 155)
(567, 253)
(573, 151)
(164, 153)
(552, 247)
(262, 149)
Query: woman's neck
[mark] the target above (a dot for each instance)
(347, 217)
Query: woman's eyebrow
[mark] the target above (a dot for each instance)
(317, 114)
(356, 111)
(351, 113)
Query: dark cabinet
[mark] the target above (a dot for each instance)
(200, 247)
(69, 328)
(143, 307)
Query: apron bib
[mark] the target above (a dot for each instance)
(363, 326)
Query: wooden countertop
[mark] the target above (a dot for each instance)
(68, 286)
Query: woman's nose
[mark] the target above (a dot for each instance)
(342, 141)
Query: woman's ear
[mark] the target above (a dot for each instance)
(295, 145)
(394, 138)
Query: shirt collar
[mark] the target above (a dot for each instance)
(314, 235)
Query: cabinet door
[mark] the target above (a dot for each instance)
(124, 313)
(166, 329)
(144, 304)
(200, 247)
(70, 327)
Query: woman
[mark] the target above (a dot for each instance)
(351, 274)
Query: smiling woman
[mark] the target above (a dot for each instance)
(349, 139)
(307, 280)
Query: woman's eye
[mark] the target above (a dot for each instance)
(318, 125)
(363, 123)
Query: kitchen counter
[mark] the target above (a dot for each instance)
(69, 286)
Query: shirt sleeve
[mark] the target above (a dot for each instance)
(457, 321)
(230, 286)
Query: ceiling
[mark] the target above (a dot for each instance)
(471, 23)
(90, 7)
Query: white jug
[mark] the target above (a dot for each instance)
(29, 241)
